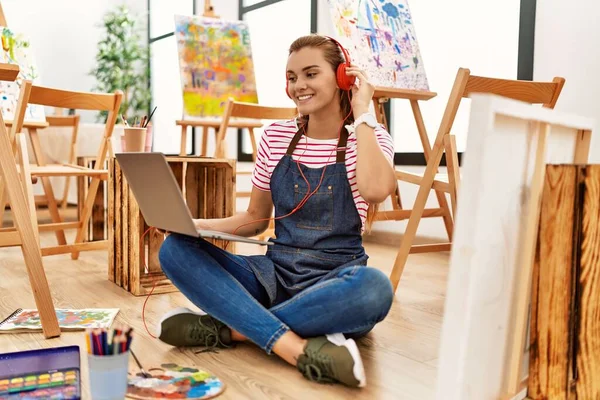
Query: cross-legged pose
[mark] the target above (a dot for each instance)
(312, 292)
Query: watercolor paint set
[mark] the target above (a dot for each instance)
(52, 373)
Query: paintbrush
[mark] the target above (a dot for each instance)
(151, 114)
(144, 373)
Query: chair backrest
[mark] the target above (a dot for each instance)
(111, 102)
(545, 93)
(62, 120)
(238, 109)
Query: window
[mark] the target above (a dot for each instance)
(164, 72)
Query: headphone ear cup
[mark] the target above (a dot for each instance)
(344, 81)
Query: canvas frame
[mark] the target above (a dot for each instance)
(483, 350)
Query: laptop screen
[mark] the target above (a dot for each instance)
(44, 373)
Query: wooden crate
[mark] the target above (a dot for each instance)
(208, 186)
(565, 328)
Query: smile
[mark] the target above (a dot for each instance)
(305, 97)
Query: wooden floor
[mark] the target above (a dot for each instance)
(400, 354)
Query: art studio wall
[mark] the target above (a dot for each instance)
(567, 43)
(64, 37)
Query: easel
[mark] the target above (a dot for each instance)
(20, 197)
(2, 17)
(209, 10)
(207, 124)
(381, 96)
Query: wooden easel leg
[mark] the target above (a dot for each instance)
(453, 170)
(253, 143)
(29, 242)
(52, 206)
(26, 181)
(441, 196)
(204, 140)
(415, 217)
(182, 151)
(3, 201)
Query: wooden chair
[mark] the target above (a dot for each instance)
(31, 94)
(249, 111)
(69, 121)
(25, 234)
(544, 93)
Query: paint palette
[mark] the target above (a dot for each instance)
(175, 382)
(63, 384)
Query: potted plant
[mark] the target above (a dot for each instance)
(122, 64)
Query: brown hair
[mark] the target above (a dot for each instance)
(334, 56)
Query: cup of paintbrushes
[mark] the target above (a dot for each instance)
(134, 139)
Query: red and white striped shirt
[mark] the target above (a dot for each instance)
(314, 153)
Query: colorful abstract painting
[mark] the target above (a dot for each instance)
(215, 63)
(380, 37)
(172, 381)
(68, 319)
(16, 49)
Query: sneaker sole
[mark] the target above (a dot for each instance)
(358, 370)
(172, 313)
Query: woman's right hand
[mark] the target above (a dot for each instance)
(201, 224)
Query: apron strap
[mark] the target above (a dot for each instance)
(341, 147)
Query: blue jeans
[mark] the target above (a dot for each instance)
(224, 286)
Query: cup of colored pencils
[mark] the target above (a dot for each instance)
(108, 361)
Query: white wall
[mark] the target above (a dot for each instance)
(481, 36)
(567, 44)
(64, 35)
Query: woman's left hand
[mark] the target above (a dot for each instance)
(362, 90)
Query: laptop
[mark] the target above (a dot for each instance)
(52, 373)
(161, 202)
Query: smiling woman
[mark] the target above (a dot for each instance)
(312, 293)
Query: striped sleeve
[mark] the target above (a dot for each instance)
(385, 142)
(261, 177)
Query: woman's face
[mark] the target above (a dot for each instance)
(311, 81)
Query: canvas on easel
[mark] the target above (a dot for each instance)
(16, 50)
(215, 63)
(382, 39)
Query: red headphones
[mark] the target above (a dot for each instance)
(344, 81)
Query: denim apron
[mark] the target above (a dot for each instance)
(318, 240)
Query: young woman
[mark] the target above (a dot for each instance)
(312, 293)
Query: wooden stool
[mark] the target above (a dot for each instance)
(205, 124)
